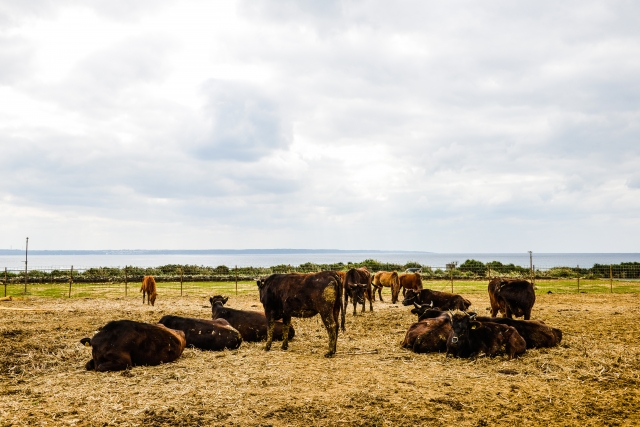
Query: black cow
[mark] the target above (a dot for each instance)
(511, 297)
(252, 325)
(302, 295)
(205, 334)
(429, 334)
(469, 338)
(441, 300)
(121, 344)
(535, 332)
(359, 276)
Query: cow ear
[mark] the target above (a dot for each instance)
(211, 300)
(224, 300)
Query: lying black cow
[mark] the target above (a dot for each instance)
(511, 297)
(121, 344)
(442, 300)
(302, 295)
(205, 334)
(535, 332)
(469, 338)
(252, 325)
(429, 335)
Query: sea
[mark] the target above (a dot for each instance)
(80, 260)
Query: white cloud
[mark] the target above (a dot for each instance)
(360, 124)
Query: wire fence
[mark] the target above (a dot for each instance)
(183, 280)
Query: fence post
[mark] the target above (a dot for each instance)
(610, 279)
(125, 281)
(451, 279)
(236, 279)
(70, 281)
(5, 281)
(181, 279)
(578, 278)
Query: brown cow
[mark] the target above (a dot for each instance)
(386, 279)
(436, 299)
(428, 335)
(205, 334)
(469, 338)
(535, 332)
(354, 277)
(302, 295)
(252, 325)
(511, 297)
(149, 288)
(121, 344)
(410, 281)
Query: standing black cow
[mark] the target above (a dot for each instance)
(511, 297)
(252, 325)
(205, 334)
(302, 295)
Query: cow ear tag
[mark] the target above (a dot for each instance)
(87, 344)
(473, 327)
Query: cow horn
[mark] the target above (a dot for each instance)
(431, 303)
(417, 305)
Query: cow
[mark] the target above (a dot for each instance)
(535, 333)
(437, 299)
(469, 337)
(205, 334)
(149, 288)
(386, 279)
(428, 335)
(252, 325)
(511, 297)
(410, 281)
(426, 311)
(121, 344)
(302, 295)
(357, 285)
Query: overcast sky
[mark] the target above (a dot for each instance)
(493, 126)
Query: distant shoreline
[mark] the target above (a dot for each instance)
(197, 251)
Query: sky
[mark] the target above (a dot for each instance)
(456, 126)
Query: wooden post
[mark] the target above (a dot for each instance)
(26, 271)
(5, 281)
(451, 279)
(181, 279)
(610, 279)
(578, 279)
(125, 281)
(70, 281)
(236, 279)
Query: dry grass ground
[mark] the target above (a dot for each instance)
(591, 379)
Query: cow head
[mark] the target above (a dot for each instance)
(217, 298)
(357, 292)
(459, 338)
(410, 297)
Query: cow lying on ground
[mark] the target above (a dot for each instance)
(149, 288)
(302, 295)
(205, 334)
(386, 279)
(429, 334)
(468, 338)
(252, 325)
(121, 344)
(441, 300)
(511, 297)
(410, 281)
(535, 333)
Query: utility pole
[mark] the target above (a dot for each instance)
(26, 257)
(531, 265)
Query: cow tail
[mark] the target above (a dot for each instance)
(86, 341)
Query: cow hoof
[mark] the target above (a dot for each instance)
(285, 346)
(330, 354)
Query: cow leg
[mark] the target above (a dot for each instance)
(113, 366)
(331, 325)
(370, 299)
(344, 309)
(379, 294)
(527, 314)
(272, 325)
(90, 366)
(286, 323)
(142, 297)
(508, 313)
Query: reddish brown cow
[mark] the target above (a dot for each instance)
(511, 297)
(205, 334)
(121, 344)
(386, 279)
(302, 295)
(410, 281)
(149, 288)
(353, 278)
(428, 335)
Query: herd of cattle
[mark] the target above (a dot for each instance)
(444, 322)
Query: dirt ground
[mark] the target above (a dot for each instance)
(591, 379)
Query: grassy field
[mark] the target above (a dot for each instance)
(591, 379)
(171, 289)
